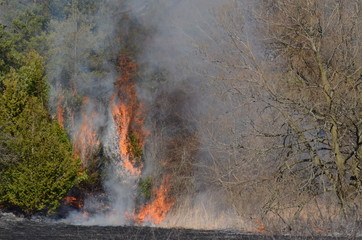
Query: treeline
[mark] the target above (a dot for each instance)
(37, 165)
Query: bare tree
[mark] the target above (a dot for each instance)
(297, 64)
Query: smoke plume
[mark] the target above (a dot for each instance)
(137, 67)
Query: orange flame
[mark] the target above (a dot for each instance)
(259, 227)
(126, 112)
(60, 111)
(157, 210)
(74, 202)
(319, 229)
(86, 140)
(127, 116)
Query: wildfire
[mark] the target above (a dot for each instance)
(60, 111)
(74, 202)
(157, 210)
(127, 115)
(86, 139)
(126, 112)
(320, 230)
(259, 227)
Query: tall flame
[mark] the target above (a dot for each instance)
(126, 112)
(86, 140)
(127, 115)
(157, 210)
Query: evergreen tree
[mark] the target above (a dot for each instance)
(45, 169)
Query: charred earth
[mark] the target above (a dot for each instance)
(15, 228)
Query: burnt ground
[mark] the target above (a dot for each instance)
(38, 230)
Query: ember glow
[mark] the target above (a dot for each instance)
(157, 210)
(74, 202)
(260, 227)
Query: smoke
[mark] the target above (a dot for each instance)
(181, 104)
(165, 38)
(83, 70)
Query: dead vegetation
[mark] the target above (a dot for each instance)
(287, 149)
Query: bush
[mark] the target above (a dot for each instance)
(135, 148)
(145, 186)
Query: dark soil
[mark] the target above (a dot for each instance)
(22, 229)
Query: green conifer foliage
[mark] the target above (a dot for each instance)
(44, 170)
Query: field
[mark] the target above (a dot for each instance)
(17, 228)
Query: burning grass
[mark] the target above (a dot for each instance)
(156, 211)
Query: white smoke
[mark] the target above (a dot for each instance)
(177, 29)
